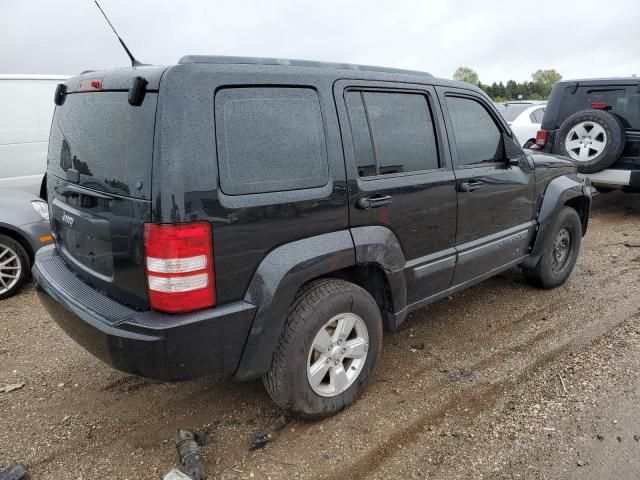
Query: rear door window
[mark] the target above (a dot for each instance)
(269, 140)
(511, 111)
(393, 132)
(537, 115)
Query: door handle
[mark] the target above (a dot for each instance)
(470, 186)
(374, 202)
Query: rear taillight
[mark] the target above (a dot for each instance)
(599, 106)
(541, 138)
(179, 266)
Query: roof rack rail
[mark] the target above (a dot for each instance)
(222, 59)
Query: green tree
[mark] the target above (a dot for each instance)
(466, 74)
(546, 78)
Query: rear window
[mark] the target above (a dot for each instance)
(510, 111)
(269, 140)
(108, 141)
(621, 100)
(392, 132)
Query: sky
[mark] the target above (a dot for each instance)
(500, 40)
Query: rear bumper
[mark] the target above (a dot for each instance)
(615, 178)
(150, 344)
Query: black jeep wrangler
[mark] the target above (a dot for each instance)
(269, 218)
(596, 123)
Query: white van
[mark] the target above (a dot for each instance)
(25, 119)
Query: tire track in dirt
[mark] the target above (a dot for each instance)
(475, 397)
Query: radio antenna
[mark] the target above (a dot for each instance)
(134, 62)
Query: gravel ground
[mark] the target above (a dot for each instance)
(512, 382)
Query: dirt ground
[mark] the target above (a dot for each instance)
(512, 382)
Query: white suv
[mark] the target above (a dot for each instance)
(524, 117)
(25, 120)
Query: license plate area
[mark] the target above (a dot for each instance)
(83, 236)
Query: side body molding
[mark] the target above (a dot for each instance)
(378, 245)
(282, 272)
(558, 192)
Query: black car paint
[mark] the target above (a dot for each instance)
(151, 344)
(266, 246)
(111, 258)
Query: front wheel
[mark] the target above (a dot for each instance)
(560, 255)
(328, 349)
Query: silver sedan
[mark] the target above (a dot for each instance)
(24, 228)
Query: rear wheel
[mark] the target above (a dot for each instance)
(329, 347)
(557, 261)
(14, 266)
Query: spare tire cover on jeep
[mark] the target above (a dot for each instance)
(594, 139)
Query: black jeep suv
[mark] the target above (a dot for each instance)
(596, 123)
(269, 218)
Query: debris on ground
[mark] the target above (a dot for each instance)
(394, 429)
(632, 243)
(193, 467)
(417, 347)
(13, 472)
(462, 374)
(270, 433)
(11, 387)
(176, 474)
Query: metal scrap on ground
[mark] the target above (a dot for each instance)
(11, 387)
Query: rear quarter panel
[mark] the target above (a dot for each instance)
(185, 178)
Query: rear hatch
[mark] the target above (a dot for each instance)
(99, 182)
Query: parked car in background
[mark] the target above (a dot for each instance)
(524, 117)
(25, 119)
(274, 220)
(24, 228)
(596, 122)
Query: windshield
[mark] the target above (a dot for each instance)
(510, 111)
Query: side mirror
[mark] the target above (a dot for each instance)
(515, 161)
(513, 152)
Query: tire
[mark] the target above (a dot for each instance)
(550, 271)
(593, 139)
(530, 143)
(320, 303)
(13, 258)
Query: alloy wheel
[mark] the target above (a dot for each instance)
(337, 355)
(585, 141)
(10, 268)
